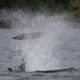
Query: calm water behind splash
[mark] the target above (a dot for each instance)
(48, 42)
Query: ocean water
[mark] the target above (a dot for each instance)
(47, 42)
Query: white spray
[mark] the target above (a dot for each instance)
(40, 53)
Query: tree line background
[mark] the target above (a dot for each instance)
(72, 6)
(40, 4)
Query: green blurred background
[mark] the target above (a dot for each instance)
(39, 4)
(50, 5)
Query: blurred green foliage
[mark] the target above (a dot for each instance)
(40, 4)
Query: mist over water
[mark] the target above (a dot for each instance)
(47, 43)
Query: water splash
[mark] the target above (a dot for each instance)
(39, 53)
